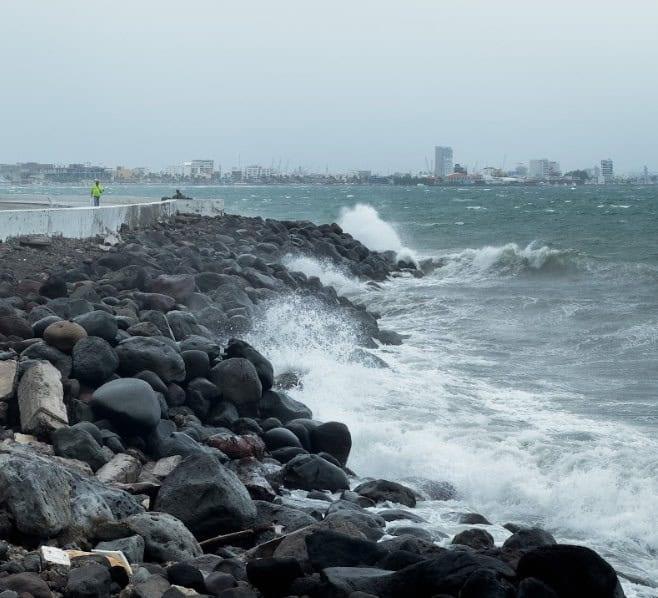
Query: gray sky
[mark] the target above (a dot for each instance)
(346, 84)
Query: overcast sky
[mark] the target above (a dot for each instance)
(338, 84)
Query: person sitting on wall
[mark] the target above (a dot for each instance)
(179, 195)
(96, 191)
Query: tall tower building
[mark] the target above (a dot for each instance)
(608, 171)
(442, 161)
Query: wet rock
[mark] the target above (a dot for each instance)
(178, 286)
(238, 447)
(486, 584)
(183, 324)
(197, 364)
(217, 582)
(333, 438)
(473, 519)
(384, 490)
(187, 576)
(77, 443)
(327, 548)
(131, 546)
(273, 576)
(526, 538)
(533, 588)
(398, 514)
(347, 581)
(90, 581)
(238, 383)
(268, 513)
(64, 335)
(312, 472)
(279, 405)
(369, 524)
(283, 455)
(476, 538)
(239, 348)
(141, 353)
(570, 571)
(94, 360)
(166, 538)
(207, 497)
(128, 403)
(99, 323)
(277, 438)
(41, 399)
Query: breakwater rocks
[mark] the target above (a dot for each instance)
(147, 451)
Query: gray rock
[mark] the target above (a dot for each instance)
(207, 497)
(94, 360)
(123, 468)
(90, 581)
(129, 403)
(312, 472)
(77, 443)
(238, 383)
(8, 370)
(166, 538)
(143, 353)
(41, 399)
(384, 490)
(42, 351)
(132, 547)
(99, 323)
(183, 324)
(278, 404)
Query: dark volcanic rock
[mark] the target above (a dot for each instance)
(570, 571)
(475, 538)
(238, 348)
(26, 584)
(132, 547)
(94, 360)
(90, 581)
(165, 537)
(533, 537)
(486, 584)
(238, 383)
(14, 326)
(328, 548)
(277, 438)
(142, 353)
(207, 497)
(278, 404)
(382, 490)
(273, 576)
(178, 286)
(533, 588)
(99, 323)
(312, 472)
(78, 443)
(42, 351)
(129, 403)
(333, 438)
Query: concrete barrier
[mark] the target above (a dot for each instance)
(82, 223)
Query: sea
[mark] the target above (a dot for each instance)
(528, 377)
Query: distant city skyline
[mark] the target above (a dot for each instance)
(333, 86)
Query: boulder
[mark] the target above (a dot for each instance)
(384, 490)
(273, 576)
(130, 404)
(26, 584)
(290, 519)
(132, 547)
(183, 324)
(207, 497)
(533, 588)
(359, 581)
(122, 468)
(237, 381)
(42, 351)
(312, 472)
(41, 399)
(570, 571)
(63, 335)
(277, 438)
(238, 348)
(8, 371)
(278, 404)
(187, 576)
(197, 364)
(94, 360)
(89, 581)
(40, 326)
(144, 353)
(178, 286)
(77, 443)
(35, 493)
(526, 538)
(476, 538)
(99, 323)
(333, 438)
(165, 537)
(328, 548)
(486, 584)
(15, 326)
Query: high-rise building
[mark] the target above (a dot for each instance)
(442, 161)
(539, 169)
(608, 171)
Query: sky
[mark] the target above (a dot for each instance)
(342, 85)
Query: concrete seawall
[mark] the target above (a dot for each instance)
(84, 222)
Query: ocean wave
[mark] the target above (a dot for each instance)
(509, 260)
(329, 274)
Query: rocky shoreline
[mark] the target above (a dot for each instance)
(136, 423)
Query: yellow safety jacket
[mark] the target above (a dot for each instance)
(97, 190)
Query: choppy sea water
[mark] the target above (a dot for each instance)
(529, 378)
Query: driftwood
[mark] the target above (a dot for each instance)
(245, 533)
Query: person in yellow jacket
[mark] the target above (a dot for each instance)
(96, 192)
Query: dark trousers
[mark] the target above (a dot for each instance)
(97, 201)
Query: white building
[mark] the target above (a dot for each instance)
(539, 169)
(443, 164)
(607, 171)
